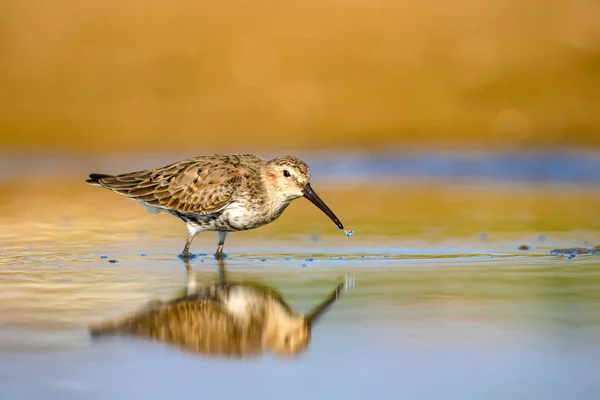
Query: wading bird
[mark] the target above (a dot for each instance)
(222, 192)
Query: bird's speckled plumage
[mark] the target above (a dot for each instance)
(224, 319)
(221, 192)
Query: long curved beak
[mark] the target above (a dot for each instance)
(310, 194)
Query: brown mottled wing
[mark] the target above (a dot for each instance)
(200, 326)
(198, 186)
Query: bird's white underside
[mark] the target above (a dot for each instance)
(237, 302)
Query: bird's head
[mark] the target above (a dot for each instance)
(291, 339)
(288, 178)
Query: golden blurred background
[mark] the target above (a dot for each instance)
(233, 75)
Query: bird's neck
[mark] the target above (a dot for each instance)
(277, 317)
(275, 201)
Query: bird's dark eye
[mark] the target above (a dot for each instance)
(286, 173)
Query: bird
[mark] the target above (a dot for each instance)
(223, 319)
(219, 192)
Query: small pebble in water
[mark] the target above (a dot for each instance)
(103, 256)
(112, 261)
(143, 254)
(349, 233)
(523, 247)
(310, 259)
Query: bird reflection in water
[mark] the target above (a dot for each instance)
(224, 319)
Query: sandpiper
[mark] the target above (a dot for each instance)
(224, 319)
(221, 192)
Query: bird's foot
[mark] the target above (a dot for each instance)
(187, 256)
(219, 255)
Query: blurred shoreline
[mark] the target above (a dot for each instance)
(556, 166)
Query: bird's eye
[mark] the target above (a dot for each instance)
(286, 173)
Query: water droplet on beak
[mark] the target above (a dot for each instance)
(349, 233)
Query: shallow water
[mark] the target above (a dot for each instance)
(445, 305)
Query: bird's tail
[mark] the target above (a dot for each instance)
(126, 324)
(94, 179)
(105, 329)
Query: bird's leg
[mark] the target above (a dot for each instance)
(219, 253)
(222, 272)
(191, 286)
(192, 232)
(185, 254)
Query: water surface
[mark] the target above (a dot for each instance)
(445, 305)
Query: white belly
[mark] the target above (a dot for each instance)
(242, 218)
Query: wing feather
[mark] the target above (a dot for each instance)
(202, 185)
(201, 326)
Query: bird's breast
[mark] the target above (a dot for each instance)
(244, 303)
(243, 216)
